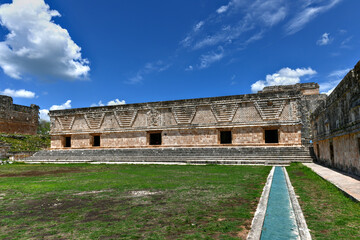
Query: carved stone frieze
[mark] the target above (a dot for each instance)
(125, 118)
(94, 120)
(224, 112)
(270, 109)
(184, 114)
(66, 122)
(153, 117)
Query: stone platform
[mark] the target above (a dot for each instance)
(213, 155)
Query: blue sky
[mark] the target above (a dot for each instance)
(68, 54)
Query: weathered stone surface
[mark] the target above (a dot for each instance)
(17, 118)
(192, 122)
(336, 125)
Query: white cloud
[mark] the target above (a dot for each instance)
(285, 76)
(116, 102)
(334, 78)
(36, 45)
(22, 93)
(198, 26)
(110, 103)
(345, 43)
(65, 105)
(222, 9)
(149, 68)
(44, 114)
(324, 40)
(189, 68)
(207, 59)
(99, 104)
(259, 15)
(308, 14)
(340, 74)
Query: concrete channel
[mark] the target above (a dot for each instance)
(278, 215)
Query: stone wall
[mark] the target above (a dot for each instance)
(4, 149)
(17, 119)
(191, 122)
(336, 125)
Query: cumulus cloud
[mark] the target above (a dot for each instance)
(285, 76)
(44, 115)
(65, 105)
(207, 59)
(324, 40)
(116, 102)
(110, 103)
(21, 93)
(37, 46)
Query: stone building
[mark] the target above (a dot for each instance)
(18, 119)
(277, 116)
(336, 125)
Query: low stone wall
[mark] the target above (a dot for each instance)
(336, 125)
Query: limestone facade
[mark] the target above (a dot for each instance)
(336, 125)
(18, 119)
(272, 117)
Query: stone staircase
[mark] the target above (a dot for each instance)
(213, 155)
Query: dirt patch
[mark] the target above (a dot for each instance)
(91, 192)
(299, 173)
(245, 229)
(41, 173)
(144, 193)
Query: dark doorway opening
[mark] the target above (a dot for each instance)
(155, 139)
(225, 137)
(318, 151)
(271, 136)
(67, 141)
(332, 153)
(96, 141)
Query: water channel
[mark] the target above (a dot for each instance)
(280, 222)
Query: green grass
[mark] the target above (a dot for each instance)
(328, 212)
(81, 201)
(20, 143)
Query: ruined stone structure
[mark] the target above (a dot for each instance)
(336, 125)
(4, 149)
(18, 119)
(276, 116)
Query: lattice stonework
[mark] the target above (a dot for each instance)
(184, 115)
(94, 120)
(270, 109)
(125, 118)
(224, 112)
(66, 122)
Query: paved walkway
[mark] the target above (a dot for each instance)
(347, 184)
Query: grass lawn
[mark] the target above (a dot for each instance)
(328, 212)
(80, 201)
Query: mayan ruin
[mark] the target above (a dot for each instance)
(18, 119)
(172, 120)
(276, 116)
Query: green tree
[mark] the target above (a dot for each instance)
(44, 127)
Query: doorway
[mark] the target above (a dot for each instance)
(271, 136)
